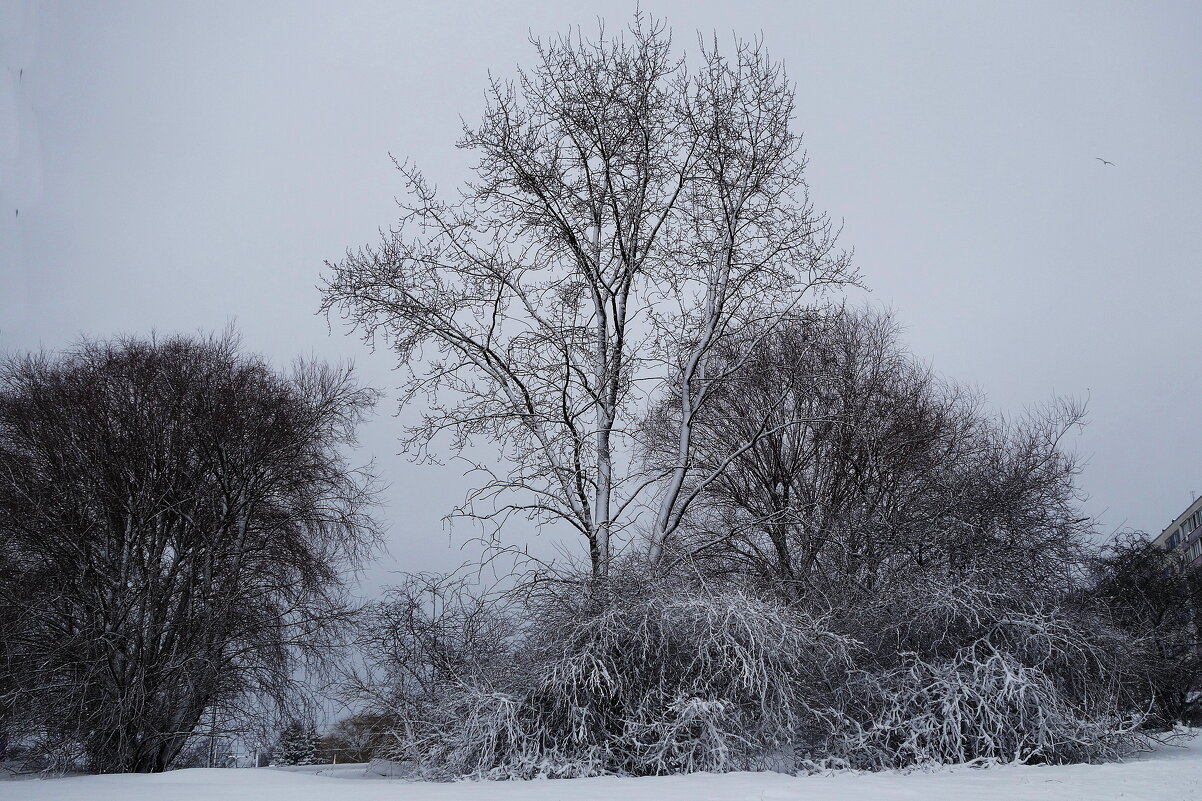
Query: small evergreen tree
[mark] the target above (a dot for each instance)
(310, 742)
(296, 745)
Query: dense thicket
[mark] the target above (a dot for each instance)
(680, 674)
(176, 519)
(804, 547)
(889, 577)
(1150, 593)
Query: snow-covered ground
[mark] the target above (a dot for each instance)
(1168, 774)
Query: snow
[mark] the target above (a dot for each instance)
(1167, 774)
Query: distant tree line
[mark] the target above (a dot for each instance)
(352, 739)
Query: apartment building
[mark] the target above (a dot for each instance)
(1184, 535)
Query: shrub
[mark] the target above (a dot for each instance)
(639, 676)
(991, 677)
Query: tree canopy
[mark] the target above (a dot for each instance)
(177, 521)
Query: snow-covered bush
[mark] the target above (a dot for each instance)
(990, 676)
(638, 677)
(982, 704)
(671, 676)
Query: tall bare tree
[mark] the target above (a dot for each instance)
(177, 518)
(628, 215)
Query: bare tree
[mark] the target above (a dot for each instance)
(749, 250)
(182, 516)
(628, 216)
(1153, 595)
(864, 464)
(359, 737)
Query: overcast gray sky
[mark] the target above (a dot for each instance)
(178, 165)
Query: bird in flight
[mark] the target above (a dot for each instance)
(1104, 161)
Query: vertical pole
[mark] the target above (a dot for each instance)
(212, 736)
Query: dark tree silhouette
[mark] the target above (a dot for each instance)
(1150, 593)
(867, 466)
(177, 518)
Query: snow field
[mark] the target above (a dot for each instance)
(1167, 774)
